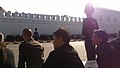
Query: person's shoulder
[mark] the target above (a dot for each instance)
(115, 40)
(89, 19)
(71, 54)
(73, 51)
(9, 51)
(70, 50)
(93, 19)
(22, 44)
(85, 19)
(34, 42)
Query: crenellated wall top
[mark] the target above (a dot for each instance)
(29, 16)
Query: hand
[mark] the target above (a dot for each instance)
(91, 64)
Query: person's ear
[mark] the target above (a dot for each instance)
(61, 38)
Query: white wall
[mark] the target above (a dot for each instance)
(110, 25)
(14, 23)
(44, 27)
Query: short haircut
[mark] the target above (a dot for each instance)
(27, 31)
(101, 34)
(36, 29)
(1, 37)
(63, 32)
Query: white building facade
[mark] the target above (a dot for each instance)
(14, 23)
(108, 20)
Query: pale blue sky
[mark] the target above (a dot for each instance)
(56, 7)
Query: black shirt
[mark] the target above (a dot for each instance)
(30, 52)
(64, 57)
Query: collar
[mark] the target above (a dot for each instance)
(29, 39)
(63, 46)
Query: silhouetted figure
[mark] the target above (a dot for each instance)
(30, 51)
(6, 55)
(36, 35)
(63, 55)
(89, 25)
(106, 55)
(116, 44)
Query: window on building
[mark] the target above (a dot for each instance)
(115, 20)
(100, 17)
(108, 18)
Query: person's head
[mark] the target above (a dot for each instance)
(27, 34)
(35, 29)
(99, 36)
(89, 9)
(61, 36)
(1, 37)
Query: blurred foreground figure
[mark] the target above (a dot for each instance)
(6, 55)
(63, 55)
(116, 44)
(106, 54)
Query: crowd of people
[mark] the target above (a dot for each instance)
(100, 52)
(96, 44)
(42, 37)
(48, 37)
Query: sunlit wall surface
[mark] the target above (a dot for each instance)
(15, 22)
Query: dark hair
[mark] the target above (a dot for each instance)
(36, 29)
(101, 34)
(27, 31)
(63, 32)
